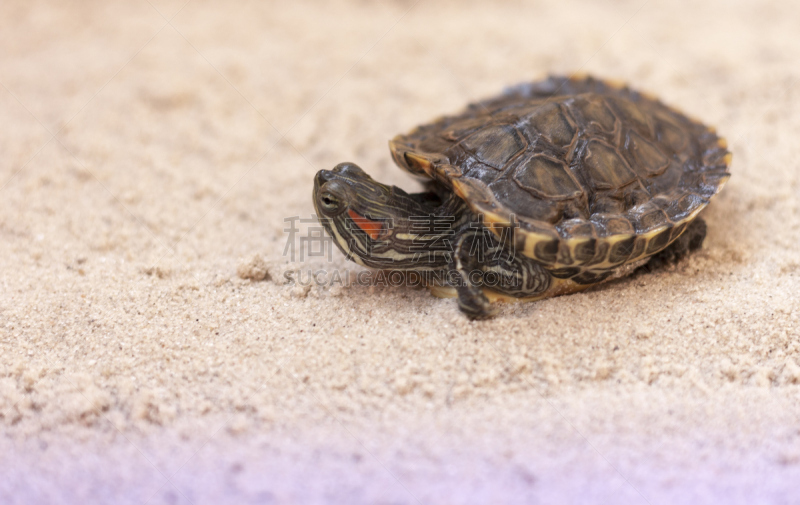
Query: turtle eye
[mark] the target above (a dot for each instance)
(332, 198)
(329, 203)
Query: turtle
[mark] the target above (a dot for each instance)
(551, 187)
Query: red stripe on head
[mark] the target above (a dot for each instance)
(368, 226)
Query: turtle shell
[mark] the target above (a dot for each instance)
(593, 174)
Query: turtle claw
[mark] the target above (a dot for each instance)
(476, 305)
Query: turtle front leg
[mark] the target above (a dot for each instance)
(463, 269)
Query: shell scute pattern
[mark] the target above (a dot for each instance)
(596, 174)
(547, 177)
(594, 114)
(606, 168)
(551, 122)
(646, 158)
(495, 145)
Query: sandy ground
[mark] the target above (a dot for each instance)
(152, 350)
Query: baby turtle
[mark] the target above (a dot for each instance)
(547, 189)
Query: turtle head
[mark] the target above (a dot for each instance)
(345, 188)
(363, 216)
(350, 192)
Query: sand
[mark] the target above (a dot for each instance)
(153, 351)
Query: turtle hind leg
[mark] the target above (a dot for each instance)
(690, 240)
